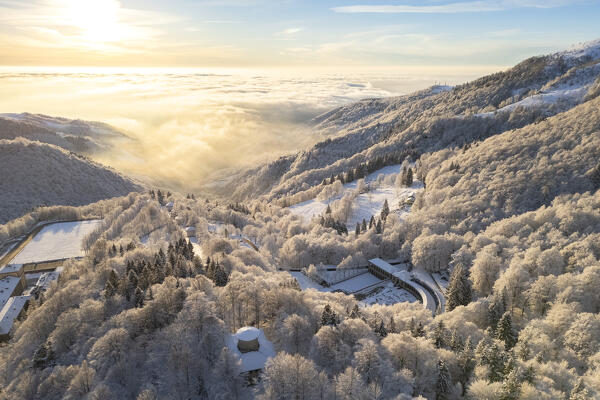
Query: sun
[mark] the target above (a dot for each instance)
(96, 21)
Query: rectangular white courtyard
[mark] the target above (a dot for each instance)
(56, 242)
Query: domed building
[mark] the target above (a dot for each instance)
(252, 347)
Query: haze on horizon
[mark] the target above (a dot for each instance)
(208, 86)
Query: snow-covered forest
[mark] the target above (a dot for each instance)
(494, 184)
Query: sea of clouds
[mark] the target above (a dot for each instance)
(189, 126)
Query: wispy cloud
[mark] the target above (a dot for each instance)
(289, 32)
(454, 8)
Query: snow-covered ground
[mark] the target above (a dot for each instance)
(57, 241)
(365, 204)
(388, 295)
(382, 292)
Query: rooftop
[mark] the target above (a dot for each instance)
(10, 268)
(10, 312)
(8, 285)
(253, 360)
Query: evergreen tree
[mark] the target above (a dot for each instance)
(418, 330)
(355, 313)
(328, 317)
(579, 392)
(443, 387)
(496, 310)
(111, 284)
(357, 230)
(378, 227)
(392, 326)
(409, 177)
(385, 211)
(511, 387)
(456, 343)
(439, 335)
(496, 358)
(220, 276)
(459, 289)
(328, 210)
(466, 364)
(381, 331)
(363, 227)
(138, 297)
(505, 332)
(372, 222)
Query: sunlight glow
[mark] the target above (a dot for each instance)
(97, 20)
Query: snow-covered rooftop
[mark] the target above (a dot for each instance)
(378, 262)
(8, 285)
(247, 333)
(10, 268)
(47, 278)
(253, 360)
(56, 242)
(10, 312)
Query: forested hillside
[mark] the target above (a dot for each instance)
(36, 174)
(434, 119)
(83, 137)
(500, 179)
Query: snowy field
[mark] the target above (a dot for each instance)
(57, 241)
(366, 204)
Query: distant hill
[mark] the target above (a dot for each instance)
(35, 174)
(84, 137)
(437, 118)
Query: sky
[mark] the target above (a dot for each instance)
(290, 33)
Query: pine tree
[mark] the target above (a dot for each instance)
(443, 387)
(466, 364)
(392, 326)
(328, 210)
(385, 211)
(357, 230)
(418, 330)
(456, 343)
(496, 310)
(111, 284)
(328, 317)
(381, 331)
(138, 297)
(409, 177)
(221, 277)
(372, 222)
(496, 358)
(579, 392)
(355, 313)
(459, 289)
(378, 227)
(363, 227)
(505, 332)
(439, 335)
(511, 387)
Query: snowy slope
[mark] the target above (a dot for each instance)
(57, 241)
(35, 174)
(366, 204)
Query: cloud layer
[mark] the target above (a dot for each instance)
(191, 125)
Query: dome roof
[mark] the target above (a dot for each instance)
(247, 333)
